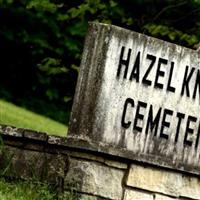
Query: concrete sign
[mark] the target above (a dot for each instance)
(139, 98)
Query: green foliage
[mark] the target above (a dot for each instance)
(177, 22)
(41, 41)
(171, 34)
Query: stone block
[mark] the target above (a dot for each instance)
(26, 164)
(16, 142)
(12, 131)
(56, 140)
(86, 156)
(137, 195)
(164, 181)
(90, 197)
(34, 135)
(190, 187)
(34, 146)
(116, 164)
(69, 195)
(101, 159)
(94, 178)
(11, 135)
(56, 167)
(155, 180)
(23, 164)
(163, 197)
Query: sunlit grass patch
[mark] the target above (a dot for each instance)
(11, 114)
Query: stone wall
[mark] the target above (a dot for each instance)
(27, 155)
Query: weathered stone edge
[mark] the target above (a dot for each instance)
(34, 140)
(128, 156)
(128, 31)
(25, 136)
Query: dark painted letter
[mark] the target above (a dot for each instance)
(123, 62)
(126, 124)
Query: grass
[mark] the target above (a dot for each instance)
(23, 190)
(11, 114)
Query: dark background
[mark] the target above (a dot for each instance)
(41, 42)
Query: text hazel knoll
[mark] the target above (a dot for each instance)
(186, 128)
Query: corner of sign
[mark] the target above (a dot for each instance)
(95, 23)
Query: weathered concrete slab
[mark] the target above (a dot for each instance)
(162, 197)
(155, 180)
(96, 179)
(133, 194)
(163, 181)
(138, 97)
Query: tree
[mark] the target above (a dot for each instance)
(41, 42)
